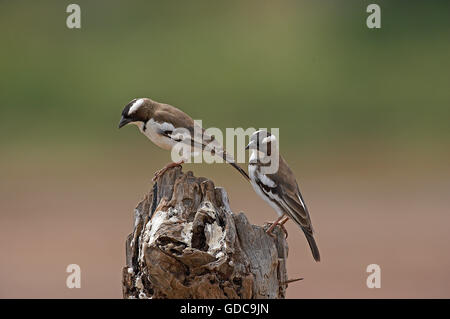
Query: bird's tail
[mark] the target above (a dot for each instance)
(312, 245)
(244, 173)
(230, 160)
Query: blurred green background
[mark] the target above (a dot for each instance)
(363, 117)
(311, 68)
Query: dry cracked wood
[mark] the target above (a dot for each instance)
(187, 243)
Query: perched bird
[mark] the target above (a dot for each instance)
(280, 188)
(165, 125)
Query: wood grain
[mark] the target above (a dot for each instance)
(186, 243)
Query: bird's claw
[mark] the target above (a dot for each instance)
(269, 231)
(284, 230)
(163, 170)
(158, 174)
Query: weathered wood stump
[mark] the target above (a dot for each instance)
(187, 243)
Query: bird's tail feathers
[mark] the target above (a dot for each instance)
(220, 152)
(244, 173)
(312, 245)
(230, 160)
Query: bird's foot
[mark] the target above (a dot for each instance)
(159, 173)
(284, 230)
(281, 224)
(272, 227)
(269, 232)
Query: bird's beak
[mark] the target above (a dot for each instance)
(249, 145)
(123, 122)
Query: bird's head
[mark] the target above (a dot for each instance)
(137, 111)
(262, 141)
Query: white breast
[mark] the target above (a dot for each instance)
(152, 131)
(255, 176)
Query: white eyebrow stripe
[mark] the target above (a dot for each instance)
(270, 138)
(135, 106)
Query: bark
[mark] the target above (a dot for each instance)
(187, 243)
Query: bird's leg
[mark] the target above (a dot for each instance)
(163, 170)
(281, 223)
(284, 221)
(269, 231)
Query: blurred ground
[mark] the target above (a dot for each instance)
(366, 209)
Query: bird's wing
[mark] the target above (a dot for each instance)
(282, 189)
(299, 213)
(174, 118)
(289, 197)
(298, 210)
(180, 127)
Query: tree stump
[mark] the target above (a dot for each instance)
(187, 243)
